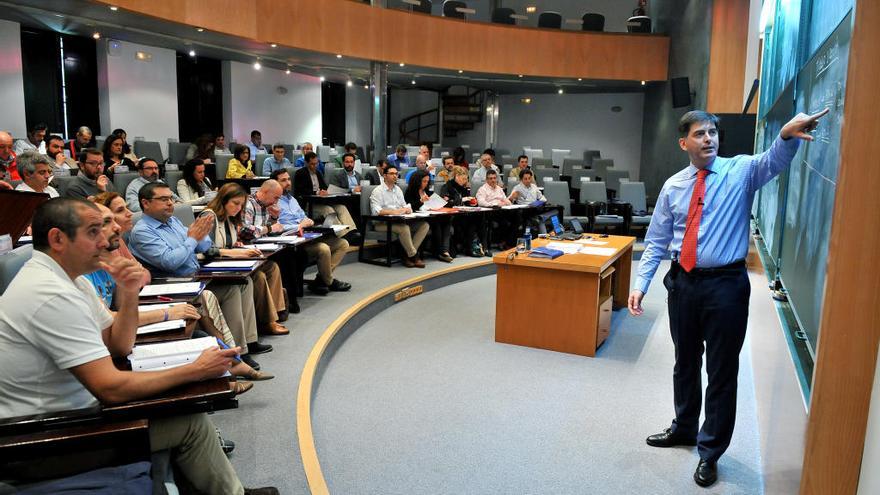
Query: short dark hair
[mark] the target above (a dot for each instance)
(256, 133)
(380, 161)
(277, 173)
(239, 149)
(399, 148)
(520, 157)
(523, 173)
(491, 172)
(146, 191)
(308, 156)
(349, 155)
(350, 146)
(276, 146)
(143, 161)
(40, 126)
(88, 151)
(389, 167)
(448, 157)
(58, 213)
(490, 152)
(693, 117)
(54, 137)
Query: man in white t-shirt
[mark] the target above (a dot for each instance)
(53, 330)
(35, 169)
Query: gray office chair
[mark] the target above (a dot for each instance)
(151, 149)
(557, 193)
(177, 153)
(634, 194)
(258, 163)
(121, 181)
(62, 183)
(11, 263)
(594, 195)
(613, 179)
(600, 168)
(185, 214)
(370, 232)
(171, 178)
(568, 165)
(589, 156)
(542, 173)
(538, 162)
(221, 164)
(577, 174)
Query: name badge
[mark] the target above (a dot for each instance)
(61, 172)
(121, 169)
(171, 166)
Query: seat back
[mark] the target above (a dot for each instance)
(593, 192)
(543, 173)
(557, 193)
(577, 174)
(177, 153)
(568, 165)
(634, 194)
(501, 15)
(323, 153)
(593, 22)
(639, 24)
(614, 177)
(366, 191)
(221, 164)
(258, 162)
(171, 178)
(424, 7)
(11, 263)
(449, 9)
(185, 214)
(533, 153)
(601, 166)
(61, 183)
(589, 156)
(539, 162)
(121, 181)
(550, 19)
(150, 149)
(558, 156)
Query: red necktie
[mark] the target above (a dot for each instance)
(688, 257)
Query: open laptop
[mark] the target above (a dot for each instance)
(560, 233)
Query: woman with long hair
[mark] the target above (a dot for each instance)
(417, 194)
(194, 188)
(240, 166)
(228, 209)
(114, 155)
(126, 148)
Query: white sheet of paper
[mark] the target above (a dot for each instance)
(267, 246)
(231, 264)
(282, 239)
(334, 189)
(171, 289)
(565, 247)
(591, 242)
(161, 326)
(598, 251)
(514, 207)
(434, 202)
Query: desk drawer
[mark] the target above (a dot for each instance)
(603, 328)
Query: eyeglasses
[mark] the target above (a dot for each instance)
(151, 168)
(164, 199)
(94, 164)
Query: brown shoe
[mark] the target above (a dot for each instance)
(418, 262)
(257, 376)
(408, 262)
(239, 388)
(275, 329)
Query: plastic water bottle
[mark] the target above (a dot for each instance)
(528, 237)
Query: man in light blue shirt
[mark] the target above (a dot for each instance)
(149, 172)
(399, 158)
(256, 144)
(702, 219)
(301, 161)
(275, 162)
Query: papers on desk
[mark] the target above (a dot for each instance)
(150, 307)
(161, 326)
(471, 208)
(188, 288)
(236, 266)
(514, 207)
(168, 355)
(281, 239)
(577, 247)
(416, 214)
(565, 247)
(434, 202)
(336, 190)
(265, 247)
(598, 251)
(591, 242)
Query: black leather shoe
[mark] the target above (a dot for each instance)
(283, 315)
(293, 307)
(354, 238)
(248, 360)
(266, 490)
(669, 439)
(319, 288)
(706, 473)
(339, 286)
(258, 348)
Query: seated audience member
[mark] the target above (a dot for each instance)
(194, 186)
(526, 193)
(425, 151)
(35, 140)
(255, 145)
(486, 165)
(114, 155)
(301, 161)
(388, 199)
(55, 151)
(54, 330)
(376, 176)
(446, 172)
(148, 170)
(347, 177)
(8, 161)
(399, 158)
(458, 156)
(35, 170)
(91, 179)
(276, 161)
(328, 251)
(241, 166)
(81, 141)
(417, 194)
(202, 149)
(166, 247)
(491, 194)
(227, 208)
(348, 148)
(127, 152)
(470, 232)
(309, 181)
(423, 165)
(220, 144)
(522, 163)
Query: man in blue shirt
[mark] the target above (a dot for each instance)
(276, 161)
(166, 247)
(256, 144)
(327, 251)
(399, 158)
(301, 161)
(702, 219)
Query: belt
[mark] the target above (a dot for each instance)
(717, 270)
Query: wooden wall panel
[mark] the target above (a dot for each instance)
(354, 29)
(850, 332)
(727, 55)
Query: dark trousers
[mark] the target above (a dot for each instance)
(712, 308)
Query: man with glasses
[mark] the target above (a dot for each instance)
(149, 172)
(387, 199)
(91, 179)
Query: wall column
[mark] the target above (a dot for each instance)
(379, 106)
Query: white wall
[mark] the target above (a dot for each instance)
(358, 115)
(577, 122)
(283, 107)
(138, 96)
(11, 80)
(869, 480)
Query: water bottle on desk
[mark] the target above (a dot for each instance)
(528, 238)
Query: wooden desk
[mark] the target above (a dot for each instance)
(569, 299)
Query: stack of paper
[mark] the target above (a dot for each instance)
(188, 288)
(168, 355)
(161, 326)
(281, 239)
(565, 247)
(265, 246)
(598, 251)
(230, 266)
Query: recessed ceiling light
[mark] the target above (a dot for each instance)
(287, 71)
(580, 79)
(274, 45)
(643, 83)
(96, 35)
(525, 101)
(531, 9)
(349, 83)
(366, 86)
(519, 75)
(322, 78)
(114, 8)
(258, 65)
(338, 55)
(560, 91)
(200, 30)
(192, 53)
(460, 71)
(402, 64)
(413, 81)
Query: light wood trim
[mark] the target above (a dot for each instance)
(727, 56)
(354, 29)
(850, 328)
(311, 464)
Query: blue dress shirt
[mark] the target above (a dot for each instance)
(398, 162)
(724, 227)
(291, 212)
(254, 150)
(166, 247)
(270, 165)
(301, 162)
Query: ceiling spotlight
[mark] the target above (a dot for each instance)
(114, 8)
(338, 55)
(560, 91)
(580, 79)
(192, 53)
(460, 71)
(531, 9)
(402, 64)
(287, 71)
(413, 81)
(519, 75)
(525, 101)
(322, 78)
(366, 86)
(274, 45)
(258, 65)
(643, 83)
(201, 30)
(349, 83)
(96, 35)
